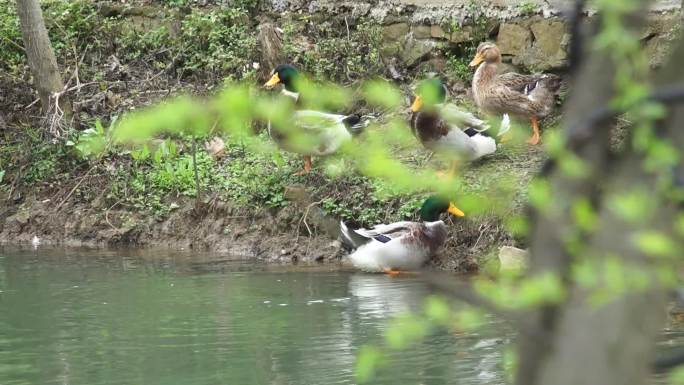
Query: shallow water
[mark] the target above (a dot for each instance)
(93, 317)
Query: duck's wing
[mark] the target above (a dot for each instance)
(355, 238)
(316, 121)
(518, 82)
(462, 119)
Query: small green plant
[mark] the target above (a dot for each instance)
(342, 52)
(217, 41)
(75, 25)
(136, 44)
(11, 50)
(528, 8)
(457, 66)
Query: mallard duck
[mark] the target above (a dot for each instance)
(524, 96)
(402, 245)
(445, 128)
(311, 132)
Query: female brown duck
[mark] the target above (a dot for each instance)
(524, 96)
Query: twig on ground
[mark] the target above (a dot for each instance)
(303, 219)
(75, 187)
(107, 215)
(14, 43)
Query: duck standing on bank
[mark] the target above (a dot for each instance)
(447, 129)
(310, 133)
(400, 246)
(523, 96)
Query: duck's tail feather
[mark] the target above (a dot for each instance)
(351, 240)
(505, 126)
(355, 123)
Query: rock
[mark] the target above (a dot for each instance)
(512, 259)
(422, 32)
(437, 32)
(659, 35)
(550, 45)
(435, 64)
(415, 50)
(513, 39)
(395, 32)
(461, 35)
(21, 218)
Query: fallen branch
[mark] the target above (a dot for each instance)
(75, 187)
(303, 219)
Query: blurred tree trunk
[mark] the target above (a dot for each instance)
(41, 57)
(575, 342)
(270, 44)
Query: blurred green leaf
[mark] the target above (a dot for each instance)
(540, 194)
(382, 94)
(584, 214)
(368, 359)
(405, 330)
(469, 319)
(655, 243)
(437, 309)
(676, 376)
(633, 206)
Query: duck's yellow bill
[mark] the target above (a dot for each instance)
(417, 104)
(273, 81)
(455, 211)
(477, 60)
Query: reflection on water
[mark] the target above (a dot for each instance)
(115, 318)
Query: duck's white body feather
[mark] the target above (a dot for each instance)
(457, 142)
(311, 132)
(396, 246)
(467, 147)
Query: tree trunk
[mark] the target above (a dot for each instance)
(41, 57)
(270, 43)
(576, 342)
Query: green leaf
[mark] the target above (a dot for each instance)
(541, 289)
(368, 360)
(676, 376)
(540, 194)
(584, 214)
(518, 225)
(632, 206)
(469, 319)
(382, 94)
(572, 166)
(586, 273)
(405, 330)
(437, 309)
(655, 243)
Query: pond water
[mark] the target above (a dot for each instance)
(117, 318)
(94, 317)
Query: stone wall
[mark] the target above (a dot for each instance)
(531, 33)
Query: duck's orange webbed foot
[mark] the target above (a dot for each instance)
(536, 137)
(307, 167)
(392, 272)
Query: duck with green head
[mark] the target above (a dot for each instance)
(310, 133)
(400, 246)
(447, 129)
